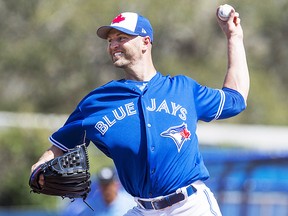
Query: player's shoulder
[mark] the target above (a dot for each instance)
(181, 78)
(112, 85)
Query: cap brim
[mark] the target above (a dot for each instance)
(103, 31)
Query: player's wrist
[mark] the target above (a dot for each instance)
(235, 37)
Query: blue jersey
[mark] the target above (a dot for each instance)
(149, 133)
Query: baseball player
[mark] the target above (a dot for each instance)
(146, 122)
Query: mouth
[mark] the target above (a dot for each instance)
(117, 54)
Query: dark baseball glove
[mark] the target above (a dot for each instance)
(65, 176)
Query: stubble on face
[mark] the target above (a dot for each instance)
(124, 49)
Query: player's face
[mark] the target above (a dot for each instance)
(125, 50)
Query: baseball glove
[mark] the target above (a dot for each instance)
(65, 176)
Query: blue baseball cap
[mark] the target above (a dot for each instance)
(129, 23)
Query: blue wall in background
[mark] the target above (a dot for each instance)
(248, 183)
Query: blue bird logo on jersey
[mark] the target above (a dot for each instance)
(179, 134)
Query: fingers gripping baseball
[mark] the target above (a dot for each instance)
(229, 22)
(224, 12)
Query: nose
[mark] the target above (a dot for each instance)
(113, 44)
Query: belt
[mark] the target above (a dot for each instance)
(169, 200)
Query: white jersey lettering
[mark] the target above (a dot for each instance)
(101, 127)
(130, 109)
(163, 106)
(117, 116)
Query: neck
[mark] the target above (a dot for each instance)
(140, 76)
(144, 71)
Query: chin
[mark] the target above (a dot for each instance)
(119, 64)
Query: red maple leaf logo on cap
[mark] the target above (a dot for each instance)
(118, 19)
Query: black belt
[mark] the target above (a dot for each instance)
(168, 200)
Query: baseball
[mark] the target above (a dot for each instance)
(224, 12)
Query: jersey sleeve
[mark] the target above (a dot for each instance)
(71, 133)
(234, 103)
(212, 104)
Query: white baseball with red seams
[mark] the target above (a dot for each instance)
(224, 12)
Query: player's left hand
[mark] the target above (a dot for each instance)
(66, 176)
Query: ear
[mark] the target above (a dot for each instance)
(146, 42)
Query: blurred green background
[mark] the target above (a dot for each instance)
(50, 58)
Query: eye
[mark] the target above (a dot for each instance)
(122, 38)
(117, 39)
